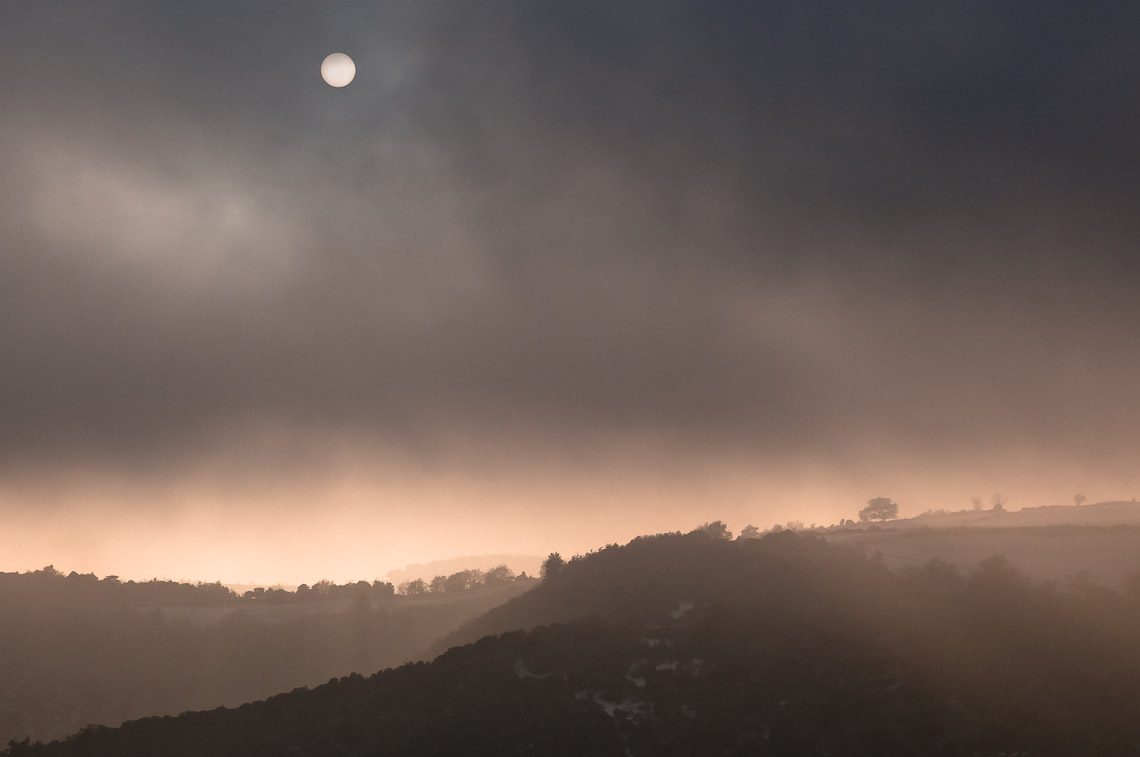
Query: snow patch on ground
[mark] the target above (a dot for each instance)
(608, 706)
(522, 671)
(682, 610)
(626, 707)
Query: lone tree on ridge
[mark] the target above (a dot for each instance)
(879, 508)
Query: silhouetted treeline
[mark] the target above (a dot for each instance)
(460, 581)
(321, 591)
(783, 645)
(76, 650)
(49, 587)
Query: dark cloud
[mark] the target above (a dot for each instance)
(801, 231)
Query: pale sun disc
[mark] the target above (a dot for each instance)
(338, 70)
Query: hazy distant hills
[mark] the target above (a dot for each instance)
(1099, 542)
(76, 650)
(687, 645)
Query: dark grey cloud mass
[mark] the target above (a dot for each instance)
(878, 233)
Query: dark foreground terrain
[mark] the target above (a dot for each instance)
(688, 645)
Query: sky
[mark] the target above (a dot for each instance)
(551, 275)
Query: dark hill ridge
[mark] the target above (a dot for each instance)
(784, 645)
(653, 577)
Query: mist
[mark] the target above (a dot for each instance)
(765, 262)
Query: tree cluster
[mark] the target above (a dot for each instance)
(879, 508)
(459, 582)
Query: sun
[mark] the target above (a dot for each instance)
(338, 70)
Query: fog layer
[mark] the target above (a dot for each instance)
(548, 275)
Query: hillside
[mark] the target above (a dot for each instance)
(680, 645)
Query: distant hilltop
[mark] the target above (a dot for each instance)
(529, 564)
(1098, 542)
(1115, 513)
